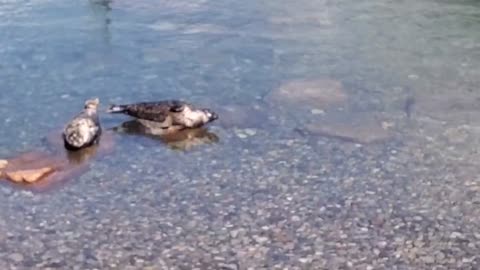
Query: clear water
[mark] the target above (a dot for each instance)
(148, 205)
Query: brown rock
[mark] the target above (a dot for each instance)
(3, 163)
(29, 176)
(40, 171)
(319, 93)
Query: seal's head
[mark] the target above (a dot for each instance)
(210, 115)
(92, 104)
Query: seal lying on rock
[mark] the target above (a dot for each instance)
(84, 129)
(172, 115)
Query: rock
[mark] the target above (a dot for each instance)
(29, 176)
(456, 235)
(304, 260)
(241, 135)
(16, 257)
(360, 129)
(448, 105)
(457, 135)
(3, 163)
(440, 256)
(428, 259)
(43, 170)
(245, 133)
(317, 111)
(260, 239)
(319, 93)
(250, 131)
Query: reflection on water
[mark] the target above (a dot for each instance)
(184, 140)
(82, 155)
(100, 13)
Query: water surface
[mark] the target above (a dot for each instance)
(264, 196)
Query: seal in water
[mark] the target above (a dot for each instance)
(172, 115)
(84, 129)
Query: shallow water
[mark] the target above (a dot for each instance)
(263, 194)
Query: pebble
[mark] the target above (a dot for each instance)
(428, 259)
(304, 260)
(3, 163)
(16, 257)
(241, 135)
(440, 256)
(260, 239)
(317, 111)
(456, 235)
(245, 133)
(250, 131)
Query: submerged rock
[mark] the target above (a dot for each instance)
(245, 133)
(3, 164)
(319, 93)
(30, 167)
(350, 133)
(30, 176)
(356, 128)
(41, 170)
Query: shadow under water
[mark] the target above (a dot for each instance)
(182, 140)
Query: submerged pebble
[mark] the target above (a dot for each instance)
(16, 257)
(245, 133)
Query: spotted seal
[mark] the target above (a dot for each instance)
(84, 129)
